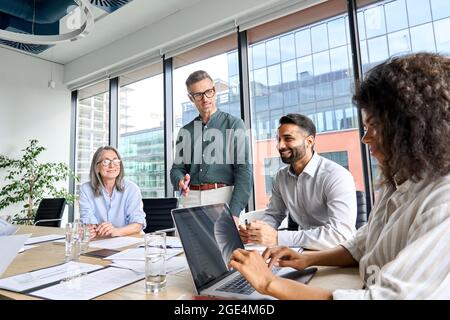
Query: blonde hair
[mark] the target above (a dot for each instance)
(96, 180)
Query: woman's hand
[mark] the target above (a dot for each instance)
(285, 257)
(253, 267)
(106, 229)
(92, 230)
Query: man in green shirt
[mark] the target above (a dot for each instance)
(212, 161)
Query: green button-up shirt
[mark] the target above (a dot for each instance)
(215, 152)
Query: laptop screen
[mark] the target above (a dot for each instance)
(209, 236)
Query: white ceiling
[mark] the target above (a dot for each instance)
(112, 27)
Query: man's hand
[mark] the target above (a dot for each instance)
(259, 232)
(183, 185)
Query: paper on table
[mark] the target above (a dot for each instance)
(115, 243)
(25, 248)
(90, 286)
(171, 242)
(34, 279)
(173, 265)
(40, 239)
(139, 254)
(6, 228)
(261, 248)
(9, 246)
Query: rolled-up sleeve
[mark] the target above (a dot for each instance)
(87, 207)
(420, 270)
(134, 211)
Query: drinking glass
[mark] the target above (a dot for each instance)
(155, 261)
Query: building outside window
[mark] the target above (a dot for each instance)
(92, 128)
(141, 129)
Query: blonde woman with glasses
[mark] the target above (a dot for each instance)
(110, 205)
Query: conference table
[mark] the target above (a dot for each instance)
(179, 286)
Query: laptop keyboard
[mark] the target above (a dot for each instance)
(237, 285)
(240, 285)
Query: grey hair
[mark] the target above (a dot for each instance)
(197, 76)
(96, 180)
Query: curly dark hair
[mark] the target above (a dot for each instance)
(408, 98)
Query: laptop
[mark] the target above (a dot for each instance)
(209, 236)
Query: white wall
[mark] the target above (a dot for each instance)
(29, 109)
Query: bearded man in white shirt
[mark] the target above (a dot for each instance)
(403, 250)
(318, 194)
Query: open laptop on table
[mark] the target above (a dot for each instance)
(209, 236)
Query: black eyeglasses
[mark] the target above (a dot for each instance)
(107, 162)
(198, 96)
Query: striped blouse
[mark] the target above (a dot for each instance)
(404, 250)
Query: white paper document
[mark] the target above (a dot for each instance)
(139, 254)
(25, 248)
(9, 247)
(29, 280)
(6, 228)
(50, 237)
(173, 265)
(261, 248)
(90, 286)
(171, 242)
(115, 243)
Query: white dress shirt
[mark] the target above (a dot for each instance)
(404, 249)
(321, 200)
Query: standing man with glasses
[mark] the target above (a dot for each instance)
(110, 205)
(212, 158)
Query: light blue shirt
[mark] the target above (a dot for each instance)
(122, 209)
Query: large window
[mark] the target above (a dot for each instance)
(304, 68)
(220, 60)
(299, 63)
(92, 128)
(141, 129)
(393, 28)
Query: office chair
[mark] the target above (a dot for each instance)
(361, 209)
(158, 214)
(361, 213)
(49, 213)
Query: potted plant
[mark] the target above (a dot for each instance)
(28, 181)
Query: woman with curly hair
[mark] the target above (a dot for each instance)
(403, 252)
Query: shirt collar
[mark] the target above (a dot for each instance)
(310, 168)
(214, 115)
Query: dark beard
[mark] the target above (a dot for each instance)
(296, 154)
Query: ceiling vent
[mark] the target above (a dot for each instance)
(30, 48)
(109, 5)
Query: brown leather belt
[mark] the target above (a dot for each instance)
(207, 186)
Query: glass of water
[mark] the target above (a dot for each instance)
(155, 261)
